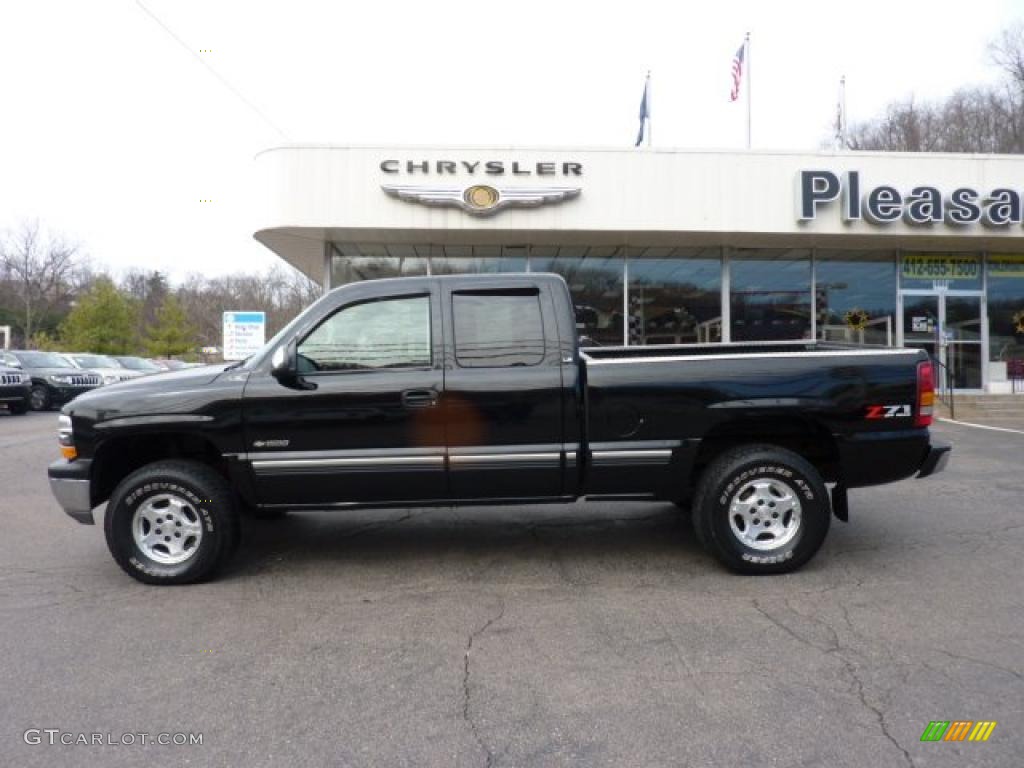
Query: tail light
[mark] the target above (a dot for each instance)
(925, 394)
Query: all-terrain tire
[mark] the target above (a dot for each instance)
(761, 509)
(195, 506)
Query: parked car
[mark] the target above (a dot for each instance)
(15, 389)
(55, 381)
(168, 364)
(107, 367)
(140, 364)
(472, 389)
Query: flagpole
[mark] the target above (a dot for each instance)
(750, 82)
(649, 122)
(842, 103)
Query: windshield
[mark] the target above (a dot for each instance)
(137, 364)
(42, 360)
(95, 361)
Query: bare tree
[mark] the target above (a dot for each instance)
(1007, 53)
(972, 119)
(40, 270)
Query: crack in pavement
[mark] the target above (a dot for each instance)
(981, 662)
(466, 715)
(849, 668)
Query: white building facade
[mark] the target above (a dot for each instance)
(679, 247)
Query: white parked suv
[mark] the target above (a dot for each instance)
(106, 366)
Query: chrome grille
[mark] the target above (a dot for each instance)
(10, 378)
(85, 380)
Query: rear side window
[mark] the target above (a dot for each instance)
(498, 329)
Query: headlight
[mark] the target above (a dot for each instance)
(66, 437)
(25, 378)
(110, 379)
(60, 379)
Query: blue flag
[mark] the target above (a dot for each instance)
(645, 111)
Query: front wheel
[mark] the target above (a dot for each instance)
(171, 522)
(761, 509)
(39, 399)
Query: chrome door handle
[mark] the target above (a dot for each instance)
(419, 398)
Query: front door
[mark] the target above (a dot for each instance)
(368, 427)
(949, 327)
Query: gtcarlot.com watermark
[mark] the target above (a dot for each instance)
(55, 736)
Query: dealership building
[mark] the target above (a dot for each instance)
(664, 246)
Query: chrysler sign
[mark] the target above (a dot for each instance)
(503, 188)
(919, 206)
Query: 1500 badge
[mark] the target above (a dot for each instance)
(888, 412)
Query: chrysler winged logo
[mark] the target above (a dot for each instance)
(481, 199)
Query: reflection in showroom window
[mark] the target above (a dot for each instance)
(855, 296)
(675, 296)
(594, 276)
(1006, 317)
(770, 294)
(394, 333)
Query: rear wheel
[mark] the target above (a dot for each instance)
(39, 399)
(171, 522)
(761, 509)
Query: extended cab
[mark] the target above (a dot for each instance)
(473, 389)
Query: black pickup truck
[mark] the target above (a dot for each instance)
(474, 390)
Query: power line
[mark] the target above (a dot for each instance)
(213, 71)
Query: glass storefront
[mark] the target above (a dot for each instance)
(676, 295)
(855, 296)
(770, 294)
(1006, 309)
(594, 275)
(351, 263)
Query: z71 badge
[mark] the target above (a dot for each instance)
(888, 412)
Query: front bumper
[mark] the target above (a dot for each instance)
(936, 459)
(16, 393)
(61, 395)
(69, 483)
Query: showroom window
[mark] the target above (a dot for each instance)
(855, 296)
(351, 263)
(594, 275)
(675, 296)
(770, 294)
(477, 259)
(1006, 307)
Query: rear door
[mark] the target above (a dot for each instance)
(503, 390)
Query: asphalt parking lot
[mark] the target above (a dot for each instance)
(585, 635)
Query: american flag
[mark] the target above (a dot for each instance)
(737, 73)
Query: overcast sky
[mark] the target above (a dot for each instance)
(113, 133)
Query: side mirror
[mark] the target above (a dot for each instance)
(284, 363)
(284, 366)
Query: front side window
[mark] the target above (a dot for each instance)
(498, 329)
(392, 333)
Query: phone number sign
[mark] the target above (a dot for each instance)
(941, 266)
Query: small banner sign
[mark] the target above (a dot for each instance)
(1006, 265)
